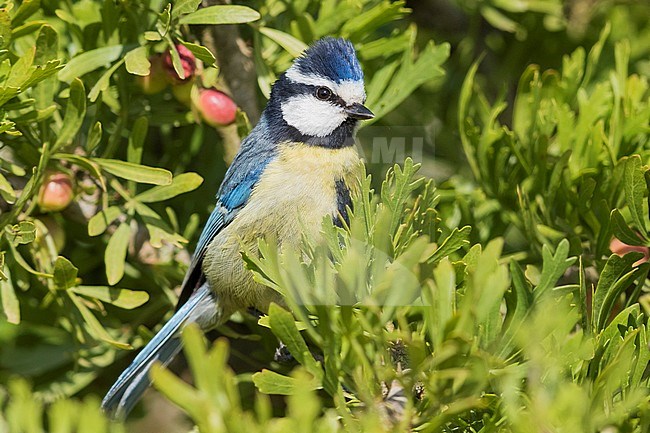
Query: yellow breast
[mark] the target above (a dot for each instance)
(295, 192)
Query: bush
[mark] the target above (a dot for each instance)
(488, 300)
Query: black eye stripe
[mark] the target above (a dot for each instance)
(326, 94)
(338, 101)
(294, 88)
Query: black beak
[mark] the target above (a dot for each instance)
(358, 111)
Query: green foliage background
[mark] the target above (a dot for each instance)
(519, 317)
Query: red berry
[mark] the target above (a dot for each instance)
(56, 192)
(216, 108)
(156, 81)
(188, 62)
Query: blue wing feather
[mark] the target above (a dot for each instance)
(238, 196)
(257, 150)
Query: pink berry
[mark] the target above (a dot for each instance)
(216, 108)
(56, 192)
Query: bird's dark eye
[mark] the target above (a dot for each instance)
(323, 93)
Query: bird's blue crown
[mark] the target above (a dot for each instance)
(333, 58)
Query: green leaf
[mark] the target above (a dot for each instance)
(194, 346)
(74, 114)
(5, 28)
(23, 264)
(152, 36)
(6, 126)
(115, 254)
(221, 14)
(265, 322)
(158, 229)
(361, 24)
(101, 220)
(396, 190)
(176, 60)
(465, 101)
(6, 190)
(6, 93)
(94, 138)
(379, 82)
(489, 281)
(181, 7)
(265, 75)
(611, 337)
(136, 140)
(554, 266)
(123, 298)
(83, 162)
(181, 184)
(383, 48)
(643, 358)
(110, 19)
(136, 172)
(104, 81)
(65, 273)
(616, 277)
(164, 21)
(175, 389)
(47, 47)
(26, 9)
(22, 233)
(201, 53)
(20, 69)
(518, 301)
(136, 61)
(412, 73)
(89, 61)
(270, 382)
(635, 189)
(10, 305)
(622, 231)
(442, 300)
(284, 327)
(456, 239)
(26, 29)
(499, 20)
(594, 54)
(293, 46)
(93, 326)
(36, 115)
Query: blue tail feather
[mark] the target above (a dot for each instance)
(163, 347)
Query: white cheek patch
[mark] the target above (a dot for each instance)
(311, 116)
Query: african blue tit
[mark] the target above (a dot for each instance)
(296, 166)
